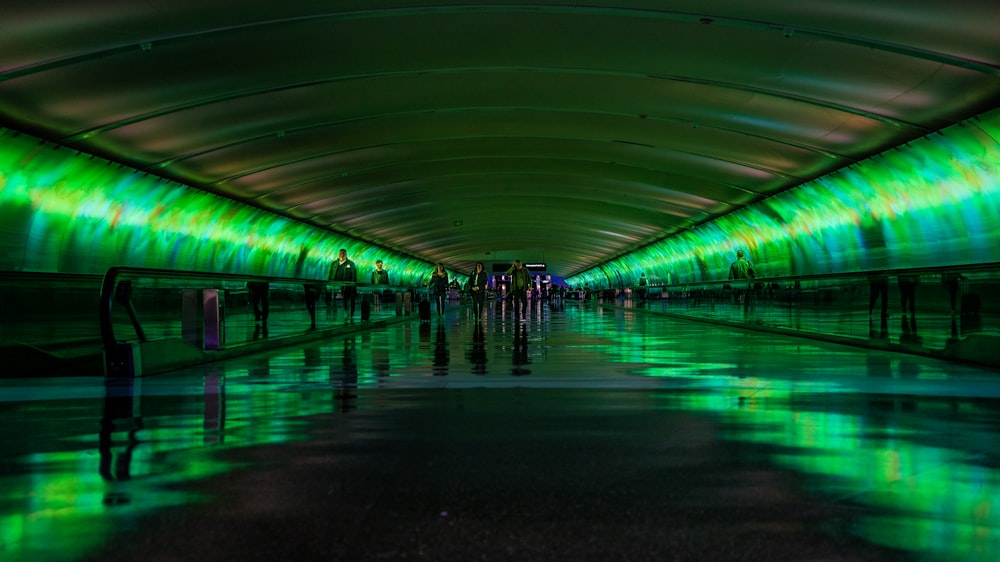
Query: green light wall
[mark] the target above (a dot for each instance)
(934, 201)
(67, 212)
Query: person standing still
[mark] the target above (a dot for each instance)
(346, 273)
(439, 287)
(477, 286)
(520, 283)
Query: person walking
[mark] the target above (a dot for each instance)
(520, 283)
(477, 286)
(640, 290)
(878, 287)
(739, 270)
(380, 277)
(439, 287)
(346, 274)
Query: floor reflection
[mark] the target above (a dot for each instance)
(675, 428)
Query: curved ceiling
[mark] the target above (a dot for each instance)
(547, 131)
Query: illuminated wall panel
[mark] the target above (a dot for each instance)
(65, 212)
(934, 201)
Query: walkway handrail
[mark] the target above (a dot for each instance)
(991, 267)
(116, 288)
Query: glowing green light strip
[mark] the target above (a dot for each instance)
(75, 214)
(934, 202)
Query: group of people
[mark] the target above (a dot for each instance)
(520, 284)
(344, 271)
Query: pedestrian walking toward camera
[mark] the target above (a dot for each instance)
(520, 283)
(345, 272)
(439, 287)
(477, 287)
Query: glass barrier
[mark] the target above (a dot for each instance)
(950, 313)
(48, 320)
(192, 314)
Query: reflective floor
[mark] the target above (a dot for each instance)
(579, 433)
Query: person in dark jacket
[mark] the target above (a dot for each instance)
(345, 273)
(439, 287)
(477, 287)
(520, 284)
(380, 276)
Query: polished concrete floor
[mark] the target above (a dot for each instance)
(578, 433)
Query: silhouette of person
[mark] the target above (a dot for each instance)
(344, 271)
(640, 291)
(477, 287)
(907, 291)
(739, 270)
(380, 277)
(261, 300)
(951, 281)
(878, 286)
(310, 290)
(439, 287)
(520, 282)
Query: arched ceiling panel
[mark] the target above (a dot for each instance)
(592, 130)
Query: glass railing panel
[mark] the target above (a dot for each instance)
(941, 311)
(54, 313)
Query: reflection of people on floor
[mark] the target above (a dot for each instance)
(215, 407)
(119, 404)
(878, 286)
(441, 354)
(478, 353)
(380, 361)
(640, 291)
(520, 357)
(345, 382)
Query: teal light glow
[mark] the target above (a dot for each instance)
(944, 502)
(69, 213)
(933, 202)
